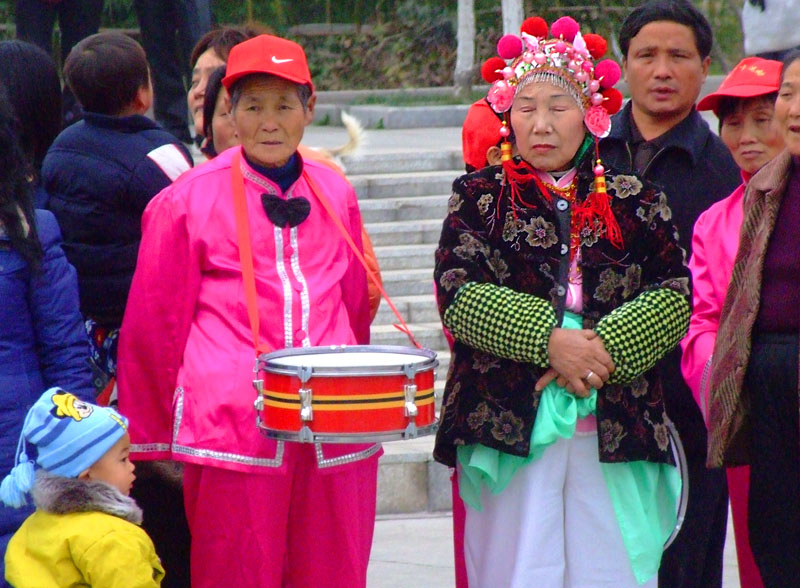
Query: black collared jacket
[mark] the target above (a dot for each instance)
(694, 169)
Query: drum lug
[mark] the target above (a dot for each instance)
(304, 373)
(259, 386)
(305, 435)
(306, 409)
(411, 431)
(410, 392)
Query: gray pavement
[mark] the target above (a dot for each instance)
(417, 552)
(387, 140)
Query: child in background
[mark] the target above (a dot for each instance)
(101, 173)
(85, 531)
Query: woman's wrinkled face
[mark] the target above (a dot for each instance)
(751, 135)
(548, 126)
(222, 129)
(787, 107)
(206, 63)
(269, 119)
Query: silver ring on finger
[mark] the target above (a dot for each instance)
(589, 375)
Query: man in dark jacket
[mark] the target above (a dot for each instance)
(660, 135)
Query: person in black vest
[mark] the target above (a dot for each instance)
(660, 135)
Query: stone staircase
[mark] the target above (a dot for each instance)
(403, 198)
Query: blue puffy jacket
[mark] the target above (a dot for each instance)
(100, 174)
(42, 343)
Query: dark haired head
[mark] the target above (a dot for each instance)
(209, 105)
(729, 105)
(34, 91)
(678, 11)
(222, 40)
(788, 60)
(106, 71)
(16, 201)
(303, 90)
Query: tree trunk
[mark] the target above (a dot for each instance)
(465, 53)
(513, 16)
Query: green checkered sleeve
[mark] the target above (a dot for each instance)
(500, 321)
(642, 331)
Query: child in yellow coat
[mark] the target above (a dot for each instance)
(85, 531)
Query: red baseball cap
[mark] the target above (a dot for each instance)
(268, 55)
(752, 76)
(481, 131)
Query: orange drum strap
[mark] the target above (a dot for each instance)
(360, 256)
(245, 250)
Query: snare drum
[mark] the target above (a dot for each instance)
(346, 394)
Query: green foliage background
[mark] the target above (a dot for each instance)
(411, 43)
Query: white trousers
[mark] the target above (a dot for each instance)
(552, 527)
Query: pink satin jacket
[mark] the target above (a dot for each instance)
(715, 241)
(186, 354)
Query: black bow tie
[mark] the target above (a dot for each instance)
(288, 212)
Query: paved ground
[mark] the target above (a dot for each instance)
(417, 552)
(383, 141)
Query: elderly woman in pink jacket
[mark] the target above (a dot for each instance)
(263, 513)
(744, 104)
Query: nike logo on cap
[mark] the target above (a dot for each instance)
(276, 60)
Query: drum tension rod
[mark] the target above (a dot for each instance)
(306, 406)
(410, 397)
(258, 384)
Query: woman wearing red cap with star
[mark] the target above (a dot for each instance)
(744, 103)
(262, 513)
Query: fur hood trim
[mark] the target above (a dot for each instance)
(60, 495)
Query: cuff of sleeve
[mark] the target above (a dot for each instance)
(500, 321)
(642, 331)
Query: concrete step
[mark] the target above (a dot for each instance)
(404, 160)
(405, 232)
(428, 335)
(394, 117)
(395, 257)
(420, 308)
(407, 282)
(395, 185)
(400, 209)
(409, 481)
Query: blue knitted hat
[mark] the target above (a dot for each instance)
(70, 436)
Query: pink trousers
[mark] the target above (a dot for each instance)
(739, 490)
(301, 529)
(459, 516)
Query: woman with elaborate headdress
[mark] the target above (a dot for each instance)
(563, 284)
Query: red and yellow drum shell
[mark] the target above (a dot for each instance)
(347, 400)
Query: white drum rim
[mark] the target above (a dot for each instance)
(679, 455)
(270, 362)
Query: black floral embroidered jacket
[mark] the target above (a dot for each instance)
(501, 278)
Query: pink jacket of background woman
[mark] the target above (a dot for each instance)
(715, 241)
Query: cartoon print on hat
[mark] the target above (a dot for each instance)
(67, 405)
